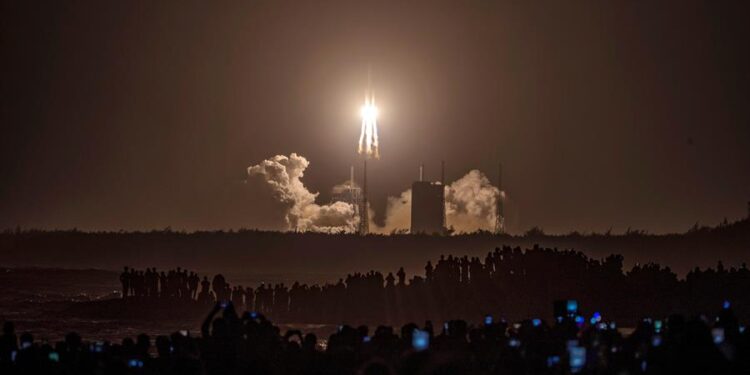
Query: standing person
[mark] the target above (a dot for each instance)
(401, 277)
(249, 299)
(428, 270)
(164, 288)
(193, 281)
(218, 285)
(125, 281)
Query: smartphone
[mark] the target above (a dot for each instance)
(253, 315)
(488, 320)
(420, 340)
(366, 339)
(577, 358)
(514, 342)
(98, 347)
(183, 332)
(135, 363)
(726, 305)
(571, 306)
(54, 357)
(536, 322)
(657, 326)
(13, 355)
(718, 335)
(223, 304)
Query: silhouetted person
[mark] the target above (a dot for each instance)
(219, 285)
(125, 281)
(249, 299)
(193, 281)
(401, 277)
(389, 280)
(428, 271)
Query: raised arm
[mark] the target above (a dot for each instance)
(206, 323)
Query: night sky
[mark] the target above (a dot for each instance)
(133, 115)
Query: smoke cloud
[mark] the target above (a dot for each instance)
(470, 206)
(287, 202)
(283, 202)
(471, 203)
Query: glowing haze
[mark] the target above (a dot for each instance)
(368, 136)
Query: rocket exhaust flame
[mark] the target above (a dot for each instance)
(368, 136)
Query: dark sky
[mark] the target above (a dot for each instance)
(605, 115)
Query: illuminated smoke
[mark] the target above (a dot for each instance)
(470, 205)
(277, 182)
(368, 136)
(284, 202)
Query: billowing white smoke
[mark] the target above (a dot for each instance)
(470, 206)
(471, 203)
(276, 182)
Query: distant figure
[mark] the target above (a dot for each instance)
(249, 299)
(164, 291)
(205, 285)
(428, 271)
(389, 280)
(260, 297)
(401, 277)
(193, 281)
(125, 281)
(237, 296)
(218, 285)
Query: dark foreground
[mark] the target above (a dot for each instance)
(232, 344)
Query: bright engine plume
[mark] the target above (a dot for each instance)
(368, 136)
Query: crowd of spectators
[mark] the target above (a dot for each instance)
(509, 281)
(248, 343)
